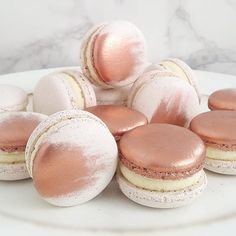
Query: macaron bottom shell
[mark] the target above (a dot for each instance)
(161, 199)
(13, 171)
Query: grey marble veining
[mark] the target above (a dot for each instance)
(48, 33)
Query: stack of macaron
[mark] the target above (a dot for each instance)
(118, 113)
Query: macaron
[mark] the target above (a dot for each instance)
(119, 119)
(218, 131)
(15, 129)
(181, 69)
(113, 54)
(161, 166)
(63, 90)
(164, 98)
(72, 157)
(224, 99)
(12, 98)
(115, 96)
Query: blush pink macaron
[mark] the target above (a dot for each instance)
(183, 71)
(119, 119)
(224, 99)
(218, 131)
(15, 130)
(113, 54)
(164, 98)
(72, 157)
(12, 98)
(63, 90)
(161, 165)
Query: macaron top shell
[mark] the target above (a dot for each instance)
(63, 90)
(224, 99)
(114, 54)
(71, 152)
(162, 151)
(12, 98)
(164, 98)
(183, 71)
(216, 127)
(119, 119)
(16, 128)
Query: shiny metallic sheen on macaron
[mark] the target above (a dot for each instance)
(216, 128)
(16, 128)
(113, 54)
(224, 99)
(162, 151)
(119, 119)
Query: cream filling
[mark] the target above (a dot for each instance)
(77, 91)
(159, 184)
(9, 158)
(175, 68)
(217, 154)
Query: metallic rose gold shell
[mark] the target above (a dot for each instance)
(119, 119)
(216, 128)
(224, 99)
(162, 151)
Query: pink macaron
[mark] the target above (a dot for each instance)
(109, 96)
(63, 90)
(72, 157)
(119, 119)
(183, 71)
(113, 54)
(224, 99)
(12, 98)
(164, 98)
(15, 130)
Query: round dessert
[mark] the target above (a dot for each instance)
(15, 129)
(12, 98)
(113, 54)
(182, 70)
(224, 99)
(72, 157)
(64, 90)
(119, 119)
(116, 96)
(164, 98)
(218, 130)
(161, 165)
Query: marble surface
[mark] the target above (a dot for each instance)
(111, 213)
(47, 33)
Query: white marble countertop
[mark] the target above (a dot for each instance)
(22, 212)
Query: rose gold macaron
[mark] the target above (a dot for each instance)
(161, 165)
(164, 98)
(15, 129)
(119, 119)
(224, 99)
(113, 54)
(72, 157)
(218, 130)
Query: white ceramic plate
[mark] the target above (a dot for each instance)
(111, 212)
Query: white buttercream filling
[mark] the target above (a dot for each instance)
(12, 157)
(217, 154)
(159, 184)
